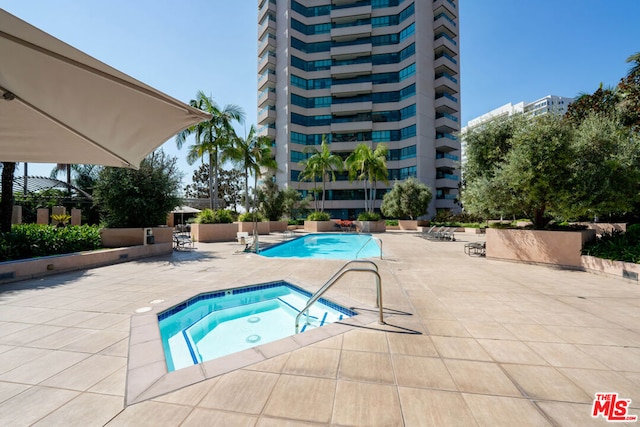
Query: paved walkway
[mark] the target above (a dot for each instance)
(469, 342)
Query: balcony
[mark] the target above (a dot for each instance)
(352, 107)
(442, 42)
(267, 45)
(445, 82)
(446, 181)
(266, 7)
(270, 26)
(442, 22)
(446, 204)
(352, 89)
(447, 142)
(352, 31)
(352, 69)
(352, 50)
(444, 6)
(446, 162)
(268, 61)
(351, 127)
(267, 131)
(266, 115)
(447, 123)
(267, 97)
(351, 12)
(267, 80)
(445, 103)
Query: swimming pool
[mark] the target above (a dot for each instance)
(327, 246)
(215, 324)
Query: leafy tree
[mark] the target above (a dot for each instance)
(605, 172)
(213, 138)
(321, 164)
(293, 205)
(270, 199)
(409, 198)
(602, 101)
(252, 153)
(139, 198)
(369, 166)
(229, 190)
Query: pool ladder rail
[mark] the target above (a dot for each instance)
(337, 276)
(378, 242)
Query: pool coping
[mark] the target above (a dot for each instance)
(147, 373)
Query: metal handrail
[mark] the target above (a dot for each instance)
(336, 276)
(375, 239)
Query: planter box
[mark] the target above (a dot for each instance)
(392, 227)
(561, 248)
(124, 237)
(247, 227)
(474, 230)
(408, 224)
(609, 267)
(208, 233)
(372, 226)
(278, 226)
(319, 226)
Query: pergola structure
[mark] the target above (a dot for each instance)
(38, 184)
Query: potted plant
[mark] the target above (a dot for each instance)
(370, 222)
(318, 222)
(247, 220)
(407, 200)
(214, 226)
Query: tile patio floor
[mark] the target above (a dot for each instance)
(469, 342)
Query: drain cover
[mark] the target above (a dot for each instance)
(253, 319)
(253, 338)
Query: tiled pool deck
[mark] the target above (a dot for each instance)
(469, 342)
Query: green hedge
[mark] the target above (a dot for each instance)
(209, 216)
(36, 240)
(319, 216)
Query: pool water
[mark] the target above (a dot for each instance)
(215, 324)
(327, 246)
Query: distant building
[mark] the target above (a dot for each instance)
(549, 104)
(362, 71)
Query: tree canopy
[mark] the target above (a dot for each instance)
(407, 199)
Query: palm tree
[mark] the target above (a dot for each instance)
(369, 166)
(63, 167)
(252, 153)
(320, 164)
(635, 67)
(213, 138)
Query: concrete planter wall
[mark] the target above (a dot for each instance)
(408, 224)
(247, 227)
(372, 226)
(11, 271)
(319, 226)
(609, 267)
(561, 248)
(278, 226)
(124, 237)
(208, 233)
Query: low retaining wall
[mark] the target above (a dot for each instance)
(11, 271)
(625, 270)
(561, 248)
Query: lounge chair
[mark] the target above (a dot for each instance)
(448, 234)
(435, 233)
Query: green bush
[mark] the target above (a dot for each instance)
(209, 216)
(391, 222)
(295, 222)
(250, 217)
(369, 216)
(318, 216)
(37, 240)
(617, 246)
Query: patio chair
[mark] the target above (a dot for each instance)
(476, 248)
(448, 234)
(182, 241)
(434, 233)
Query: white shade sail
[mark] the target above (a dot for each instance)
(60, 105)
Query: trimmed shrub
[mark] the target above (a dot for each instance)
(369, 216)
(318, 216)
(250, 217)
(209, 216)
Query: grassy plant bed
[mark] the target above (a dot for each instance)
(36, 240)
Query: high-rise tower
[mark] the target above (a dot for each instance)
(372, 71)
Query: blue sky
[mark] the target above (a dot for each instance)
(511, 50)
